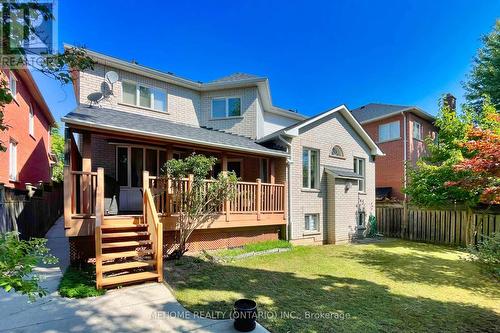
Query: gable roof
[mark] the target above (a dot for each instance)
(133, 123)
(293, 130)
(376, 111)
(236, 77)
(236, 80)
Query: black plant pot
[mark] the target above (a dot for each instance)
(245, 314)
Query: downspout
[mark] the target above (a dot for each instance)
(289, 162)
(404, 152)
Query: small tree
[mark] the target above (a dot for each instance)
(17, 260)
(201, 201)
(57, 147)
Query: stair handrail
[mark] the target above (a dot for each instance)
(99, 217)
(155, 228)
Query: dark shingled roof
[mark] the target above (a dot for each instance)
(136, 123)
(377, 111)
(342, 172)
(235, 77)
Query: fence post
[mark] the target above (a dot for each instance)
(258, 198)
(405, 219)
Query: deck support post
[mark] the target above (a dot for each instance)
(145, 187)
(227, 203)
(68, 196)
(99, 217)
(85, 180)
(258, 198)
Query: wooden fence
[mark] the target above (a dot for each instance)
(442, 226)
(31, 217)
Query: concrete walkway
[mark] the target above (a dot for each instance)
(141, 308)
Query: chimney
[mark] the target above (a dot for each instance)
(451, 101)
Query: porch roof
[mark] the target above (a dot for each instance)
(342, 173)
(132, 123)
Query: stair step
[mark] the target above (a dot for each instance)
(128, 278)
(125, 254)
(125, 244)
(127, 265)
(123, 226)
(125, 234)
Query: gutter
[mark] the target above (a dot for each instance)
(289, 162)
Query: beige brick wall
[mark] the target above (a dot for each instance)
(183, 105)
(245, 125)
(332, 130)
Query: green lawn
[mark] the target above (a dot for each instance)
(394, 286)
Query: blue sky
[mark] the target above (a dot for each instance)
(317, 54)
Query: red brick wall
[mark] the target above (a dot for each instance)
(32, 152)
(389, 169)
(418, 148)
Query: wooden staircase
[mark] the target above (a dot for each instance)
(128, 247)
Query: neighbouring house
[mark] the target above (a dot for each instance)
(309, 180)
(400, 132)
(28, 158)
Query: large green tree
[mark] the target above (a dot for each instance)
(16, 28)
(443, 177)
(484, 79)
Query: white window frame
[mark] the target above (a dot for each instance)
(390, 138)
(152, 96)
(417, 133)
(306, 222)
(13, 84)
(129, 161)
(31, 121)
(13, 175)
(309, 187)
(361, 182)
(226, 98)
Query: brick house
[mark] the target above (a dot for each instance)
(400, 132)
(27, 159)
(306, 179)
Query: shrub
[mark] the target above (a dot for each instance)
(372, 226)
(487, 253)
(17, 260)
(79, 282)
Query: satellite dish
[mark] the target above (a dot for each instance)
(94, 98)
(111, 77)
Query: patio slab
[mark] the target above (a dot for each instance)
(145, 307)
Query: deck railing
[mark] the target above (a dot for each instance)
(79, 193)
(250, 197)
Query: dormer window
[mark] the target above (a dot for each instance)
(144, 96)
(225, 107)
(337, 151)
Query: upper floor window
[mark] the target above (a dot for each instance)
(226, 107)
(13, 160)
(144, 96)
(389, 131)
(359, 168)
(337, 151)
(310, 168)
(31, 121)
(417, 130)
(13, 84)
